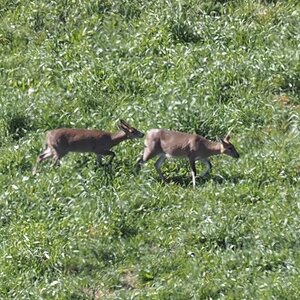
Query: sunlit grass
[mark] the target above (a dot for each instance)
(78, 232)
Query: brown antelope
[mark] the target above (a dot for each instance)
(167, 144)
(61, 141)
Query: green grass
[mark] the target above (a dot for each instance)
(77, 232)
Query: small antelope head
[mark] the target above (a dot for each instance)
(131, 132)
(228, 148)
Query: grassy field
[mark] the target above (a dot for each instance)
(78, 232)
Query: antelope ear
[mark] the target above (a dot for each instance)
(122, 127)
(225, 142)
(227, 137)
(125, 124)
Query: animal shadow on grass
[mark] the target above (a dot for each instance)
(220, 179)
(186, 181)
(106, 169)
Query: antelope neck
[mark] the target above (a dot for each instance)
(118, 137)
(214, 147)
